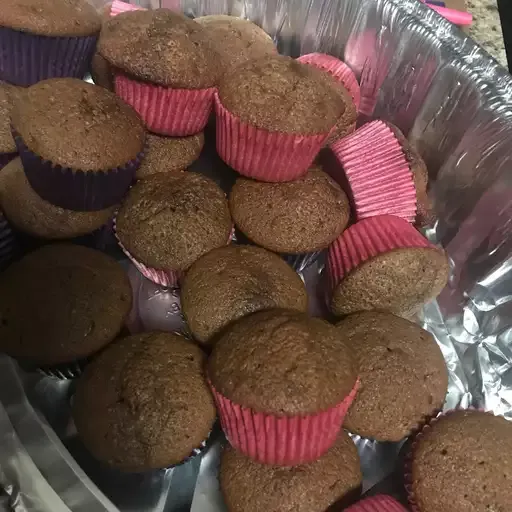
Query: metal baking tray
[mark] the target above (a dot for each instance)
(455, 103)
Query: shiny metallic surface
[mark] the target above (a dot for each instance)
(455, 104)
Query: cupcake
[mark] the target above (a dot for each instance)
(61, 304)
(402, 373)
(298, 219)
(379, 503)
(248, 486)
(231, 282)
(348, 84)
(170, 154)
(43, 39)
(426, 215)
(8, 94)
(169, 220)
(166, 68)
(461, 462)
(236, 40)
(144, 403)
(80, 145)
(32, 215)
(283, 383)
(378, 174)
(384, 263)
(273, 116)
(102, 73)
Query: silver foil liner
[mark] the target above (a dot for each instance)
(454, 102)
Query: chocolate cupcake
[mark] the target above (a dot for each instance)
(294, 218)
(229, 283)
(8, 149)
(60, 304)
(32, 215)
(165, 66)
(461, 462)
(80, 145)
(169, 220)
(43, 39)
(170, 154)
(102, 73)
(283, 383)
(248, 486)
(236, 40)
(273, 116)
(402, 373)
(144, 403)
(383, 263)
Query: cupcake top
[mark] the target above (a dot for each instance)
(169, 154)
(295, 217)
(402, 373)
(236, 40)
(248, 486)
(54, 18)
(61, 303)
(279, 94)
(8, 94)
(169, 220)
(234, 281)
(162, 47)
(282, 362)
(31, 214)
(76, 124)
(463, 459)
(133, 412)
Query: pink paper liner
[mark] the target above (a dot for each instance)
(264, 155)
(338, 69)
(380, 503)
(118, 7)
(367, 239)
(408, 483)
(281, 440)
(167, 278)
(380, 179)
(164, 110)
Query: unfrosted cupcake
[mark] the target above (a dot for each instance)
(380, 503)
(248, 486)
(79, 143)
(283, 383)
(460, 462)
(297, 219)
(169, 220)
(236, 40)
(169, 154)
(231, 282)
(144, 403)
(32, 215)
(102, 73)
(273, 116)
(384, 263)
(402, 373)
(8, 149)
(165, 66)
(43, 39)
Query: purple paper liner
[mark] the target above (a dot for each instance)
(5, 158)
(300, 262)
(26, 58)
(75, 189)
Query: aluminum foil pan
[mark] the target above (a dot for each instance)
(455, 103)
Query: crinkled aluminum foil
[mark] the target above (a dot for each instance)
(455, 103)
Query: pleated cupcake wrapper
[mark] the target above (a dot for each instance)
(379, 503)
(281, 440)
(119, 7)
(26, 58)
(164, 110)
(300, 262)
(75, 189)
(367, 239)
(5, 158)
(338, 69)
(260, 154)
(166, 278)
(380, 179)
(8, 244)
